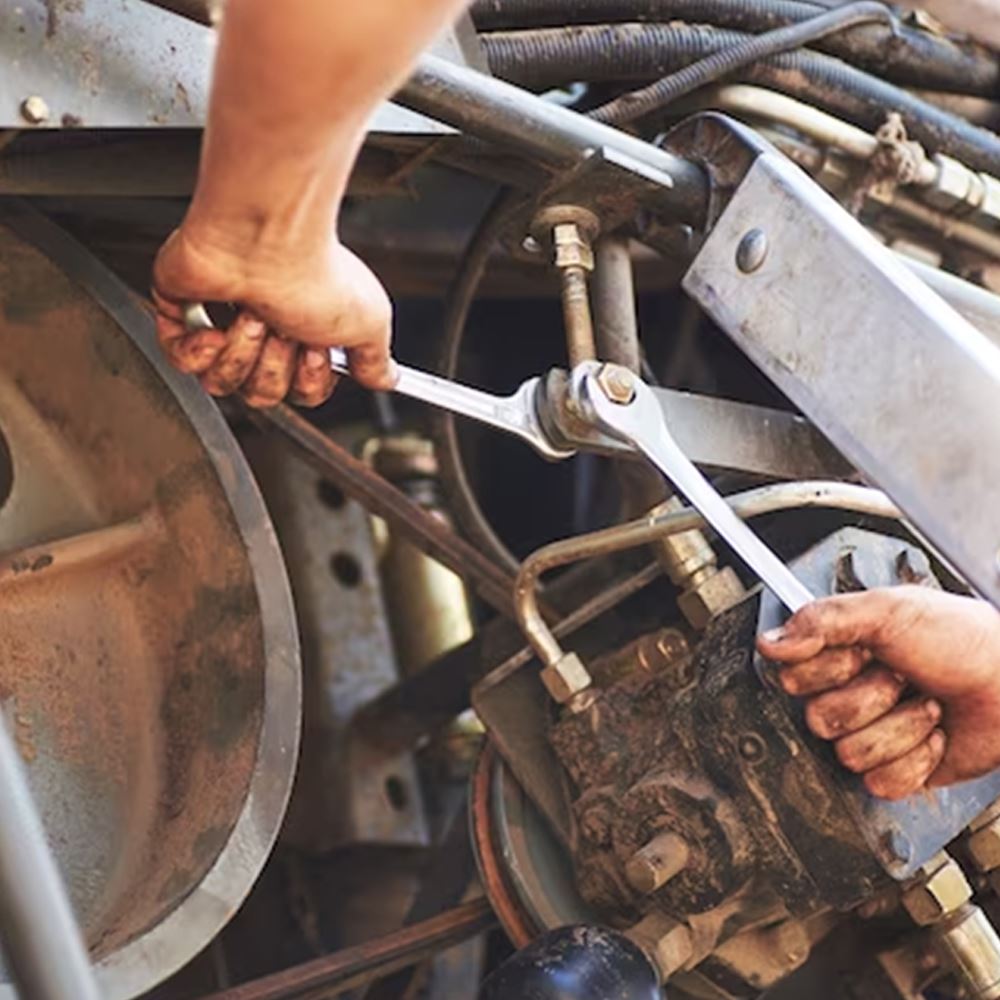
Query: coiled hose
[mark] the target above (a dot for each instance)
(726, 61)
(639, 52)
(912, 57)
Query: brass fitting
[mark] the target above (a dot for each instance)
(942, 891)
(690, 562)
(984, 846)
(566, 678)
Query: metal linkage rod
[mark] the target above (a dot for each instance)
(41, 941)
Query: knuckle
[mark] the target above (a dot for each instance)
(849, 754)
(822, 721)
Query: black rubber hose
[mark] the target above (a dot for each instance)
(458, 492)
(639, 52)
(753, 48)
(915, 58)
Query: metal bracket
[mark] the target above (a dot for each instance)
(903, 385)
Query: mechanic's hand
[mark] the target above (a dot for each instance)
(905, 680)
(292, 306)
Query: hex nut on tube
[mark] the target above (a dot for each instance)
(938, 895)
(984, 846)
(566, 678)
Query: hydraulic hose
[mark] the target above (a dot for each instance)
(547, 58)
(726, 61)
(911, 57)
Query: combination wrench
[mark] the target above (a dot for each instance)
(611, 399)
(634, 417)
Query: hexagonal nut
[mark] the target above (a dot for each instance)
(984, 847)
(953, 185)
(713, 595)
(937, 895)
(989, 208)
(617, 382)
(667, 942)
(571, 247)
(566, 678)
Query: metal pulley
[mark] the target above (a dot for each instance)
(149, 668)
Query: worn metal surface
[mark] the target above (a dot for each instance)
(555, 136)
(640, 422)
(903, 835)
(352, 967)
(103, 63)
(45, 953)
(835, 320)
(129, 64)
(345, 793)
(149, 653)
(379, 496)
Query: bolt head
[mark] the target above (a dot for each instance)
(617, 383)
(752, 251)
(34, 110)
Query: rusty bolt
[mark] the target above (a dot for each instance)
(938, 894)
(752, 251)
(566, 678)
(617, 383)
(654, 865)
(34, 110)
(984, 847)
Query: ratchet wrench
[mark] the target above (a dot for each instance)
(616, 402)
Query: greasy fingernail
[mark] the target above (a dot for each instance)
(936, 741)
(933, 709)
(774, 635)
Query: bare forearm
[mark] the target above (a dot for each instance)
(295, 83)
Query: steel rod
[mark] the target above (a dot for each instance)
(349, 968)
(42, 944)
(490, 581)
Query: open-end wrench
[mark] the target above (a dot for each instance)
(516, 414)
(624, 406)
(618, 403)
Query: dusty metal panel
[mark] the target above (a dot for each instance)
(150, 657)
(347, 792)
(900, 383)
(902, 835)
(126, 64)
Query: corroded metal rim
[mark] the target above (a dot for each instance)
(174, 941)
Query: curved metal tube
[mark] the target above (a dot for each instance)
(752, 503)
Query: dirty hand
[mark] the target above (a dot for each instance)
(905, 681)
(292, 306)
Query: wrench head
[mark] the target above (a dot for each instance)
(595, 392)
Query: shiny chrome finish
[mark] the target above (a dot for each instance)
(641, 423)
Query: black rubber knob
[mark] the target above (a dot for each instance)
(575, 963)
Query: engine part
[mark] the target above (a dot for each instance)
(910, 56)
(639, 103)
(835, 384)
(731, 815)
(627, 408)
(583, 962)
(150, 667)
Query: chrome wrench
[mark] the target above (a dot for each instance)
(516, 414)
(631, 414)
(624, 406)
